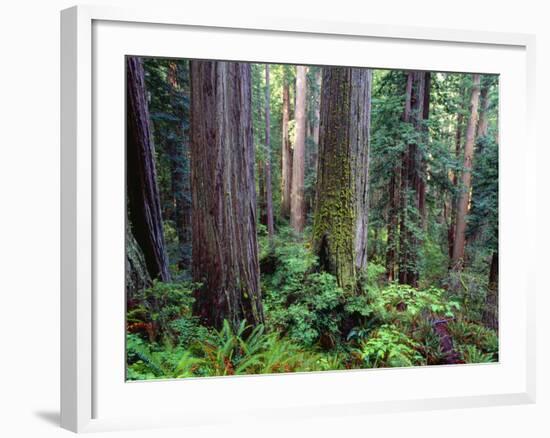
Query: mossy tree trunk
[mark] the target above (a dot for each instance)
(141, 176)
(225, 248)
(341, 208)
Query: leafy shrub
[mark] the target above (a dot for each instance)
(300, 302)
(471, 289)
(225, 352)
(472, 354)
(389, 347)
(157, 307)
(433, 262)
(470, 334)
(399, 302)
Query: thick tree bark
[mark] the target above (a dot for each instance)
(466, 183)
(483, 125)
(297, 207)
(268, 187)
(143, 195)
(412, 179)
(225, 248)
(286, 153)
(341, 208)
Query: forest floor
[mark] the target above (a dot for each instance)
(311, 324)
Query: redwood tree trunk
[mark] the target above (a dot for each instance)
(225, 249)
(268, 188)
(316, 126)
(341, 208)
(297, 206)
(483, 126)
(286, 155)
(454, 181)
(143, 195)
(412, 179)
(466, 180)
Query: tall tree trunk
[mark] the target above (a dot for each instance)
(286, 160)
(483, 125)
(454, 181)
(466, 183)
(318, 82)
(262, 200)
(143, 195)
(392, 221)
(412, 181)
(490, 313)
(421, 186)
(341, 208)
(268, 188)
(225, 247)
(297, 207)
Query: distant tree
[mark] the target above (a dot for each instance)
(466, 184)
(297, 207)
(268, 184)
(286, 153)
(142, 191)
(225, 248)
(412, 190)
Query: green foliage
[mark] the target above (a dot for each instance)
(223, 353)
(312, 324)
(468, 335)
(299, 301)
(389, 347)
(161, 306)
(399, 302)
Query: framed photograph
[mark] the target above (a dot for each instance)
(281, 217)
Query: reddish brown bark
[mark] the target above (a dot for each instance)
(449, 355)
(268, 187)
(225, 248)
(483, 125)
(141, 183)
(466, 182)
(286, 153)
(412, 189)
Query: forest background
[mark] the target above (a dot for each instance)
(405, 274)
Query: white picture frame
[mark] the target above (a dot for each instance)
(93, 39)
